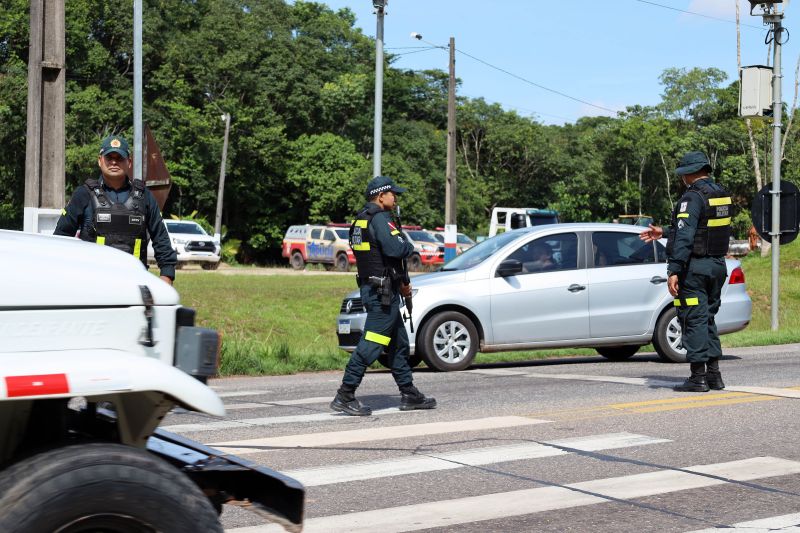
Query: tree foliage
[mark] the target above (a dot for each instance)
(298, 80)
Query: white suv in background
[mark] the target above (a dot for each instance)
(192, 243)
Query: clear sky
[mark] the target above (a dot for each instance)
(607, 53)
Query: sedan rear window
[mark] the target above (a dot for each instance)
(615, 248)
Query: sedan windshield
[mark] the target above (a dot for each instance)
(480, 252)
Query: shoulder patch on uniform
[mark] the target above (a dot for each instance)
(684, 206)
(392, 226)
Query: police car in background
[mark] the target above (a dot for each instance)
(601, 287)
(192, 244)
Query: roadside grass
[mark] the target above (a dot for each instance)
(283, 324)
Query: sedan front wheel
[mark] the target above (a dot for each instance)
(449, 341)
(668, 338)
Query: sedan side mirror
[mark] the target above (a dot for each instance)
(509, 267)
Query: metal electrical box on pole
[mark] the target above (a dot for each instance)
(44, 144)
(755, 91)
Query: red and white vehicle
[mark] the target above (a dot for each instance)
(316, 244)
(95, 352)
(428, 251)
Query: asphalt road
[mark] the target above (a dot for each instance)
(558, 445)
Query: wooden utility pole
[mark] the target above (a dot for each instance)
(450, 184)
(44, 152)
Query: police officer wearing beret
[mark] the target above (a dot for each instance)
(696, 249)
(379, 247)
(115, 211)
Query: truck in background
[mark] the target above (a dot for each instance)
(511, 218)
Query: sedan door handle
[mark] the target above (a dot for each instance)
(655, 280)
(575, 287)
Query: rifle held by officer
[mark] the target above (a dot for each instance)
(405, 278)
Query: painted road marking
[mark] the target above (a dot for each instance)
(373, 434)
(448, 513)
(432, 461)
(234, 394)
(270, 421)
(496, 372)
(790, 392)
(786, 523)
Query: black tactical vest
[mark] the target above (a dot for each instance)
(369, 259)
(714, 227)
(121, 226)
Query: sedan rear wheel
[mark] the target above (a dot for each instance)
(617, 353)
(450, 341)
(668, 338)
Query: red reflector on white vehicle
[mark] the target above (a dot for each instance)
(39, 385)
(737, 276)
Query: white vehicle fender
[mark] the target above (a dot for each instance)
(87, 373)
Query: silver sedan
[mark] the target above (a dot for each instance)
(554, 286)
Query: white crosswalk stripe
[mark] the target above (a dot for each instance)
(373, 434)
(430, 462)
(270, 421)
(448, 513)
(780, 524)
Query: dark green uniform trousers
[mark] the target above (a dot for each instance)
(383, 329)
(697, 303)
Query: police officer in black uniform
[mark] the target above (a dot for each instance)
(115, 211)
(379, 247)
(696, 249)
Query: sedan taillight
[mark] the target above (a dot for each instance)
(737, 276)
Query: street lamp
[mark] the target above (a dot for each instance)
(379, 6)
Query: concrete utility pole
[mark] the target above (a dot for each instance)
(379, 5)
(451, 228)
(44, 150)
(218, 219)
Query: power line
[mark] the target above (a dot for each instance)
(554, 91)
(697, 14)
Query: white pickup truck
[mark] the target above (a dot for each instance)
(511, 218)
(94, 352)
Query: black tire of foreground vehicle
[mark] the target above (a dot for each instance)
(617, 353)
(101, 487)
(443, 328)
(666, 334)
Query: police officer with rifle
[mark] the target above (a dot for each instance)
(696, 248)
(380, 250)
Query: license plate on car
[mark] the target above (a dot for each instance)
(344, 327)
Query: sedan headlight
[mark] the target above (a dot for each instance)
(428, 248)
(175, 240)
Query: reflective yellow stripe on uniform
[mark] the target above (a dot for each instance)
(63, 211)
(719, 201)
(361, 223)
(683, 215)
(395, 232)
(687, 301)
(363, 247)
(137, 247)
(378, 338)
(101, 240)
(712, 222)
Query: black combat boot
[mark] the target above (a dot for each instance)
(411, 398)
(713, 375)
(345, 402)
(697, 381)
